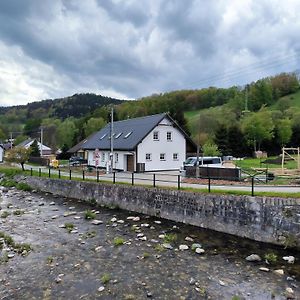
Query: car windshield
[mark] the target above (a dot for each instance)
(190, 160)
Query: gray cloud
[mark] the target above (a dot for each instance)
(135, 48)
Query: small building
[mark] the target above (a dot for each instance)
(44, 150)
(151, 143)
(1, 153)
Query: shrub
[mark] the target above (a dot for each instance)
(89, 215)
(118, 241)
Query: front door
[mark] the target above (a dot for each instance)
(130, 163)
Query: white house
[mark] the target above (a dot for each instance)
(46, 151)
(1, 153)
(151, 143)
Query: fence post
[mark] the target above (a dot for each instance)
(114, 177)
(209, 184)
(178, 182)
(267, 174)
(82, 174)
(153, 180)
(49, 173)
(30, 171)
(97, 175)
(40, 171)
(252, 186)
(70, 174)
(132, 178)
(59, 174)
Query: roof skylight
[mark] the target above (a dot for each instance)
(118, 135)
(127, 135)
(103, 136)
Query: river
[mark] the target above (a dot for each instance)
(125, 255)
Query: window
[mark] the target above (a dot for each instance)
(127, 135)
(162, 156)
(169, 136)
(148, 157)
(116, 157)
(103, 156)
(175, 156)
(155, 136)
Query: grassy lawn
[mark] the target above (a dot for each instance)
(256, 163)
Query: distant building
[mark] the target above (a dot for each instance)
(151, 143)
(46, 151)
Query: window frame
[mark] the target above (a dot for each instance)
(164, 156)
(171, 136)
(177, 156)
(156, 133)
(150, 157)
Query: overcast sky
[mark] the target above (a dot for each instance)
(134, 48)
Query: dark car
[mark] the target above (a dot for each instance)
(77, 161)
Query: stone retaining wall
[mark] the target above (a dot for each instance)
(272, 220)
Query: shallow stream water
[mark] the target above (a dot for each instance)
(87, 263)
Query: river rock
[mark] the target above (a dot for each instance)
(264, 269)
(183, 247)
(289, 292)
(199, 250)
(167, 246)
(192, 281)
(253, 257)
(120, 221)
(113, 219)
(101, 289)
(279, 272)
(96, 222)
(136, 219)
(161, 236)
(289, 259)
(157, 222)
(189, 239)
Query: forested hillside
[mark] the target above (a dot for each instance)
(261, 115)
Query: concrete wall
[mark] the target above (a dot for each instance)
(272, 220)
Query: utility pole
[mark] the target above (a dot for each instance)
(42, 136)
(112, 140)
(11, 136)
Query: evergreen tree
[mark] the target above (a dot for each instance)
(221, 140)
(35, 151)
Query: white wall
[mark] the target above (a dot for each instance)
(177, 145)
(1, 154)
(121, 164)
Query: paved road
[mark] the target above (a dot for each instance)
(171, 179)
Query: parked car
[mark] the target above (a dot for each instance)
(206, 161)
(77, 161)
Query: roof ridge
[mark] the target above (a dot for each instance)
(138, 118)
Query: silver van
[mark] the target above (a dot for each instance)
(205, 161)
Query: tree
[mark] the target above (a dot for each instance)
(284, 131)
(221, 140)
(93, 125)
(66, 132)
(18, 155)
(35, 150)
(258, 127)
(2, 135)
(210, 149)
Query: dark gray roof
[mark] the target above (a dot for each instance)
(127, 134)
(24, 143)
(80, 145)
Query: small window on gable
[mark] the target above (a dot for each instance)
(162, 156)
(175, 156)
(169, 136)
(155, 136)
(148, 157)
(118, 135)
(127, 135)
(103, 136)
